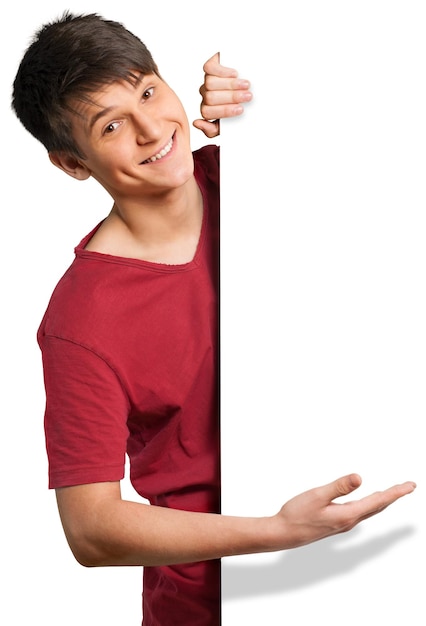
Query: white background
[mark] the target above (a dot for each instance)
(323, 303)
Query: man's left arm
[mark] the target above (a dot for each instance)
(223, 95)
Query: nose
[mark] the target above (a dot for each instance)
(147, 128)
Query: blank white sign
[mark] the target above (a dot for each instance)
(323, 301)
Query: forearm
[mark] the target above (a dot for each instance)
(138, 534)
(102, 529)
(112, 531)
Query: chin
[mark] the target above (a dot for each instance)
(183, 171)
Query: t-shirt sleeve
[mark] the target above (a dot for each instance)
(85, 418)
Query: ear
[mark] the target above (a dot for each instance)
(70, 165)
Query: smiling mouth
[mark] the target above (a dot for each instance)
(161, 154)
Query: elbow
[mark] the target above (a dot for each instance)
(88, 559)
(92, 551)
(90, 516)
(86, 553)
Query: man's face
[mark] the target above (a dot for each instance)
(135, 138)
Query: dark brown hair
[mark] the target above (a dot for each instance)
(67, 60)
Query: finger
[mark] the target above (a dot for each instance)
(219, 112)
(380, 500)
(213, 82)
(212, 98)
(350, 514)
(213, 66)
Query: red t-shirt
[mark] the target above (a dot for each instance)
(131, 365)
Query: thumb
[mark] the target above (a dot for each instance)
(342, 486)
(210, 129)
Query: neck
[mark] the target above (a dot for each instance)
(146, 218)
(163, 229)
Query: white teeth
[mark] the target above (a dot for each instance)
(160, 154)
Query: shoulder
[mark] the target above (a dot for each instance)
(206, 160)
(85, 298)
(207, 154)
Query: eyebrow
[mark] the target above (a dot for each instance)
(103, 112)
(99, 114)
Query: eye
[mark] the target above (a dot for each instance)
(111, 128)
(148, 93)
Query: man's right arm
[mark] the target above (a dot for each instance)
(103, 529)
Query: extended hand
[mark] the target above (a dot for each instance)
(313, 515)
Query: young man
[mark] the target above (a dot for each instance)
(130, 337)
